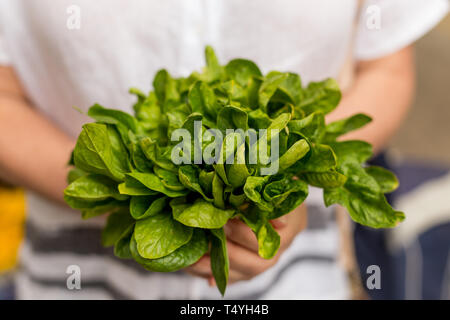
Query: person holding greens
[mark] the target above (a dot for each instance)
(56, 55)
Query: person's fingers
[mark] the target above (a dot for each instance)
(211, 282)
(290, 225)
(280, 223)
(239, 233)
(244, 264)
(202, 268)
(242, 247)
(246, 261)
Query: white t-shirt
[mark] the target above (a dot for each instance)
(121, 44)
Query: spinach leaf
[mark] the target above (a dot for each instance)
(183, 257)
(74, 174)
(386, 180)
(269, 87)
(153, 182)
(142, 207)
(122, 245)
(189, 177)
(321, 96)
(338, 128)
(203, 214)
(111, 116)
(116, 225)
(94, 152)
(219, 259)
(325, 180)
(369, 211)
(202, 100)
(91, 209)
(93, 187)
(160, 235)
(242, 71)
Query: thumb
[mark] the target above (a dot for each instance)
(279, 223)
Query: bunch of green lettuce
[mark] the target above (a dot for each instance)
(167, 216)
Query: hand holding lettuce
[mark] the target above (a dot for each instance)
(166, 216)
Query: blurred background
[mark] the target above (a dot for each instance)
(414, 258)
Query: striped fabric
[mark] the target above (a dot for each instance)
(57, 238)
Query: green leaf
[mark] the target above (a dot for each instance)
(238, 172)
(268, 241)
(242, 71)
(94, 153)
(386, 180)
(122, 245)
(253, 189)
(154, 153)
(91, 209)
(341, 127)
(289, 90)
(176, 117)
(321, 159)
(142, 207)
(217, 191)
(359, 180)
(269, 87)
(258, 119)
(219, 259)
(203, 214)
(119, 147)
(334, 196)
(116, 225)
(231, 117)
(132, 187)
(202, 100)
(169, 179)
(352, 151)
(189, 177)
(183, 257)
(94, 187)
(138, 158)
(328, 179)
(289, 199)
(74, 174)
(229, 145)
(165, 87)
(213, 70)
(152, 182)
(312, 126)
(148, 112)
(236, 200)
(296, 152)
(321, 96)
(369, 211)
(111, 116)
(268, 238)
(277, 191)
(205, 179)
(160, 235)
(279, 123)
(363, 197)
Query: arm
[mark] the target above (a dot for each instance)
(383, 89)
(34, 153)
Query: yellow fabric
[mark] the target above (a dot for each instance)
(12, 216)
